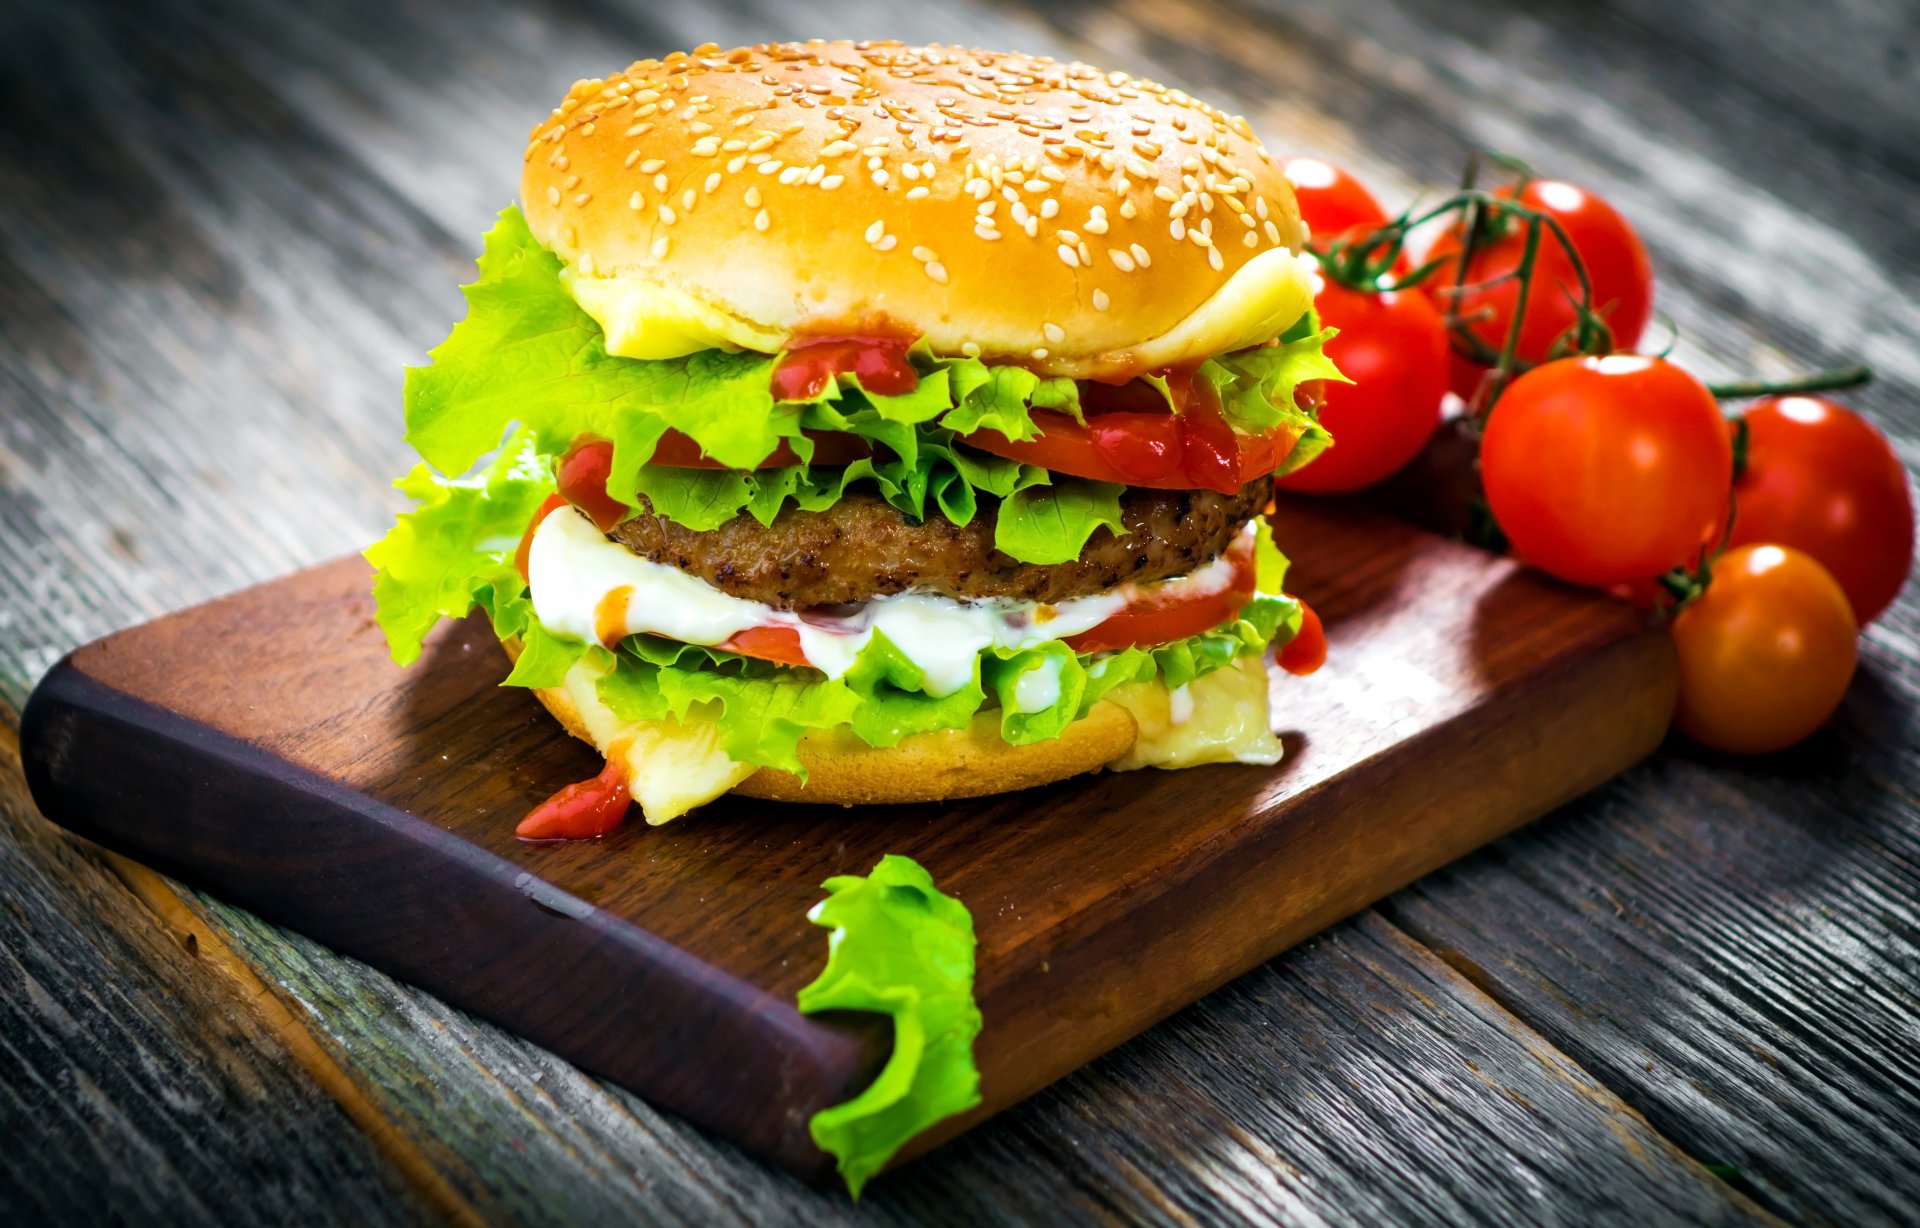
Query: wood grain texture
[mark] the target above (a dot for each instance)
(134, 1088)
(225, 227)
(372, 808)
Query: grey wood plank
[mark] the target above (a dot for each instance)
(1359, 1080)
(134, 1087)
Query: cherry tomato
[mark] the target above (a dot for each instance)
(1616, 261)
(1159, 618)
(1765, 653)
(1307, 651)
(1607, 470)
(1394, 348)
(1331, 201)
(1821, 479)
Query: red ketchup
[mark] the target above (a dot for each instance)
(581, 811)
(1306, 651)
(877, 359)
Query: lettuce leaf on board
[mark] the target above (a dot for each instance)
(899, 947)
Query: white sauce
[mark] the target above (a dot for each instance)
(1039, 688)
(573, 571)
(1179, 705)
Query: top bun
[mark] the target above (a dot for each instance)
(1076, 221)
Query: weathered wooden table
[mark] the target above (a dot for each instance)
(1694, 995)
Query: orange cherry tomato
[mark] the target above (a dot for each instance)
(1765, 653)
(1307, 651)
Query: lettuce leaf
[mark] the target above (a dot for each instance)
(455, 549)
(527, 354)
(899, 947)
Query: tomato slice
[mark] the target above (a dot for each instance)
(829, 448)
(780, 645)
(1161, 617)
(583, 471)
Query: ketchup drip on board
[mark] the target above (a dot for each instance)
(876, 358)
(581, 811)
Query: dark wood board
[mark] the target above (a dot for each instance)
(372, 808)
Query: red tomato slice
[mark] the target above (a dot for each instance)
(780, 645)
(1159, 618)
(829, 448)
(1159, 450)
(583, 471)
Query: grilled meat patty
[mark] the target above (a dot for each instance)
(862, 547)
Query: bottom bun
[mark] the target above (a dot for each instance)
(975, 761)
(948, 763)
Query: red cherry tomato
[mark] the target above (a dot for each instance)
(1616, 263)
(1394, 348)
(1331, 201)
(1765, 653)
(1607, 470)
(1821, 479)
(1307, 651)
(1159, 618)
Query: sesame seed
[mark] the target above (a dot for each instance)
(1213, 257)
(761, 221)
(736, 165)
(816, 173)
(1163, 192)
(1260, 207)
(1178, 229)
(1068, 256)
(1054, 332)
(1141, 256)
(583, 198)
(651, 165)
(986, 207)
(880, 178)
(924, 254)
(791, 175)
(937, 271)
(713, 181)
(660, 183)
(1037, 185)
(660, 248)
(1249, 239)
(831, 182)
(553, 195)
(986, 232)
(635, 201)
(1100, 300)
(586, 263)
(970, 348)
(873, 232)
(1128, 211)
(1040, 351)
(1273, 234)
(889, 243)
(1049, 207)
(1121, 260)
(667, 215)
(1067, 236)
(631, 158)
(918, 193)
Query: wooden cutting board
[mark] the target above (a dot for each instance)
(265, 748)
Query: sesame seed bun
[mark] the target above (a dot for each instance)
(1072, 220)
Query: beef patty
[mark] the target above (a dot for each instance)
(862, 547)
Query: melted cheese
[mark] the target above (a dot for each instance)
(672, 766)
(1223, 718)
(643, 318)
(591, 589)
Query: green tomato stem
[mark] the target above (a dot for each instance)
(1819, 381)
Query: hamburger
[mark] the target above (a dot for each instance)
(853, 422)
